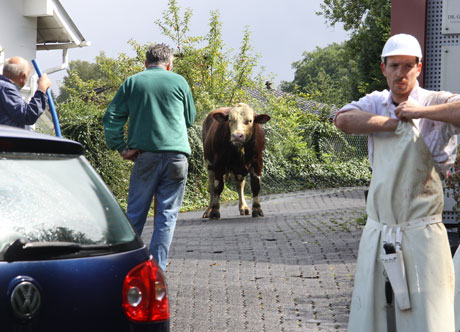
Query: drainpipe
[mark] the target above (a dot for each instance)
(65, 58)
(63, 66)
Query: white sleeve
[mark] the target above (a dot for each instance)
(366, 104)
(454, 130)
(444, 97)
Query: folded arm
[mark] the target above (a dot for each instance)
(361, 122)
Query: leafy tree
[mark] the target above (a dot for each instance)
(215, 78)
(327, 75)
(369, 24)
(86, 71)
(343, 72)
(98, 82)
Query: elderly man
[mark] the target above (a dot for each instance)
(404, 244)
(160, 107)
(14, 111)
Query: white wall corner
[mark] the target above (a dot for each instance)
(2, 58)
(38, 8)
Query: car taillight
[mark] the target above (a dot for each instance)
(145, 294)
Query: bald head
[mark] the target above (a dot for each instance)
(17, 69)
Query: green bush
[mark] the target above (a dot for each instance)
(290, 161)
(82, 122)
(301, 147)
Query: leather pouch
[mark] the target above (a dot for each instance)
(394, 267)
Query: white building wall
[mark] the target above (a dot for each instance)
(18, 34)
(18, 37)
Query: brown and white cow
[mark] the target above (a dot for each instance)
(233, 141)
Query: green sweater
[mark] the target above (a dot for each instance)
(160, 108)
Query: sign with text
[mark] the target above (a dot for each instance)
(451, 17)
(450, 70)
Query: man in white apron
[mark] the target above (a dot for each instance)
(412, 143)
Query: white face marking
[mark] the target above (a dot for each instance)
(241, 122)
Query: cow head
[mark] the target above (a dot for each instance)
(241, 119)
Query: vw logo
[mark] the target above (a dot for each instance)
(25, 300)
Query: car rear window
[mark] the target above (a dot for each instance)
(57, 198)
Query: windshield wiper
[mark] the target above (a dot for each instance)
(21, 250)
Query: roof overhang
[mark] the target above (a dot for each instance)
(55, 28)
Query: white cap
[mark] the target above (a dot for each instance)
(402, 44)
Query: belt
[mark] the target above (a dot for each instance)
(411, 224)
(165, 151)
(396, 239)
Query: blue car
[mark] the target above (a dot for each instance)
(69, 258)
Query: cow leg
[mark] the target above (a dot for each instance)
(242, 206)
(215, 187)
(255, 188)
(211, 177)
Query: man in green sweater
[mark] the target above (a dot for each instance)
(159, 107)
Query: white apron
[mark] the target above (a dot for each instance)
(457, 289)
(406, 192)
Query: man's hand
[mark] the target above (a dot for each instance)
(44, 83)
(129, 154)
(408, 110)
(448, 112)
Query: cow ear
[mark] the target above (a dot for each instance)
(220, 117)
(261, 118)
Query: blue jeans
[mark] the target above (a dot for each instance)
(163, 174)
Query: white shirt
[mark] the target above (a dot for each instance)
(440, 137)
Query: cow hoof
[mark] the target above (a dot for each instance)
(206, 213)
(214, 215)
(256, 213)
(244, 212)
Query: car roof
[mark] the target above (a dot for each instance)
(14, 139)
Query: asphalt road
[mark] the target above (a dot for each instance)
(291, 270)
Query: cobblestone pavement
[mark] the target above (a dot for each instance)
(291, 270)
